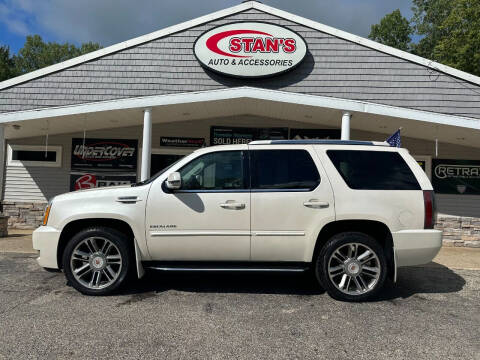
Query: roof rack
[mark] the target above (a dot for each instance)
(318, 142)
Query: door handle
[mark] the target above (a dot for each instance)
(231, 205)
(316, 204)
(128, 199)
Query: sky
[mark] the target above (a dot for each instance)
(111, 21)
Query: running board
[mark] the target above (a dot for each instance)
(224, 267)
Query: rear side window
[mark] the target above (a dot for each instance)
(283, 170)
(373, 170)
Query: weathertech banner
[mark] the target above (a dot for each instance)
(105, 154)
(82, 181)
(182, 141)
(250, 49)
(456, 176)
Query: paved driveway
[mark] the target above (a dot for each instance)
(433, 313)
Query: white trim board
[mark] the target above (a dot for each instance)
(39, 148)
(246, 93)
(230, 11)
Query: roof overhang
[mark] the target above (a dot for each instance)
(274, 104)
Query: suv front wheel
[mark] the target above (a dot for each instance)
(96, 260)
(351, 266)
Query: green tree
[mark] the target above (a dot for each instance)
(428, 17)
(393, 30)
(37, 54)
(460, 47)
(6, 64)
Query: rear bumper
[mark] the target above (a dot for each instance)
(416, 247)
(45, 239)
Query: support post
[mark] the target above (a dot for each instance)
(346, 126)
(2, 164)
(146, 144)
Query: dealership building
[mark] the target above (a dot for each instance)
(245, 73)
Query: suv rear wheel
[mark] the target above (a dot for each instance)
(96, 260)
(351, 266)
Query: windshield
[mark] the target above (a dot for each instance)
(152, 178)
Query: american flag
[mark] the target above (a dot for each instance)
(394, 140)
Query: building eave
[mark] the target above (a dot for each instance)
(248, 93)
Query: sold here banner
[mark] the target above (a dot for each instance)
(250, 49)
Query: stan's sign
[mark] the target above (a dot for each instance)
(250, 49)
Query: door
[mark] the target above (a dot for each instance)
(161, 161)
(209, 217)
(291, 201)
(161, 158)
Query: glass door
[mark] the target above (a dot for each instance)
(162, 158)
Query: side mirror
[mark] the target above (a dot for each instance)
(174, 181)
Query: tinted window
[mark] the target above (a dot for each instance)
(32, 155)
(373, 170)
(215, 171)
(283, 169)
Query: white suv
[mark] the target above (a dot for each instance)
(351, 211)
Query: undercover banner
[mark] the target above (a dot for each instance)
(456, 176)
(105, 154)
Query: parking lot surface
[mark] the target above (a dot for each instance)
(432, 313)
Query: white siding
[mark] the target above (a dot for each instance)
(34, 184)
(458, 205)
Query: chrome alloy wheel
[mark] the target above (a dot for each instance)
(354, 269)
(96, 262)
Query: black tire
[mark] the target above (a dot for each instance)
(339, 241)
(123, 248)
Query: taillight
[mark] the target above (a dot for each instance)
(429, 201)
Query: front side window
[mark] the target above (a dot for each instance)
(223, 170)
(283, 170)
(373, 170)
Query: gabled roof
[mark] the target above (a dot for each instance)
(230, 11)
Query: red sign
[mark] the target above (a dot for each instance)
(86, 181)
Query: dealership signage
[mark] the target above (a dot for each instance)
(109, 154)
(223, 135)
(314, 134)
(182, 142)
(82, 181)
(456, 176)
(250, 49)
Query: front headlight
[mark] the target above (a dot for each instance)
(47, 213)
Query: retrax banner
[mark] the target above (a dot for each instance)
(105, 154)
(456, 176)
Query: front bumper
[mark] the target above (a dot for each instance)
(45, 239)
(416, 247)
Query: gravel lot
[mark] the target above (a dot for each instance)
(432, 313)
